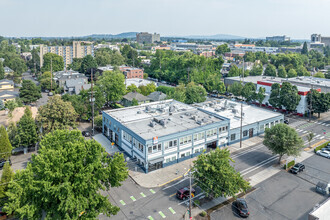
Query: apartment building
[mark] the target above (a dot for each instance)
(147, 38)
(278, 38)
(319, 40)
(79, 49)
(133, 73)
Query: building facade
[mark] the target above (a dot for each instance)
(319, 40)
(159, 134)
(79, 49)
(133, 73)
(278, 38)
(147, 38)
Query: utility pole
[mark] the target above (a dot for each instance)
(188, 73)
(311, 105)
(92, 102)
(190, 217)
(51, 73)
(241, 130)
(35, 69)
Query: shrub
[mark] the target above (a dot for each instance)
(197, 202)
(203, 214)
(321, 146)
(290, 164)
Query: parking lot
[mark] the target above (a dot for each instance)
(284, 195)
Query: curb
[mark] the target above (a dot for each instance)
(315, 145)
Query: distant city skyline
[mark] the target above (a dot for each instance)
(297, 19)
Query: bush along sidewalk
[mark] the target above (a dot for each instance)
(321, 146)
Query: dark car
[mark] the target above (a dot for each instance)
(3, 161)
(297, 168)
(286, 121)
(241, 206)
(86, 133)
(184, 193)
(228, 94)
(17, 150)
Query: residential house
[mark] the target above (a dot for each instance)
(8, 71)
(157, 96)
(128, 98)
(7, 95)
(6, 85)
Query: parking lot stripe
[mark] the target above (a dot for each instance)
(172, 210)
(132, 198)
(162, 214)
(122, 202)
(142, 194)
(150, 218)
(152, 191)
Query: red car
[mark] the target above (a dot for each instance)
(184, 193)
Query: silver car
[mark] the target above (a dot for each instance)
(323, 153)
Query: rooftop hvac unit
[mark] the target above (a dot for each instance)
(188, 114)
(139, 112)
(152, 124)
(172, 108)
(163, 122)
(199, 122)
(181, 116)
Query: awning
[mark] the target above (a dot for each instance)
(156, 160)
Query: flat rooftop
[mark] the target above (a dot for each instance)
(311, 81)
(322, 212)
(162, 118)
(138, 82)
(255, 79)
(232, 110)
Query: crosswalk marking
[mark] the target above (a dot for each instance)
(122, 202)
(152, 191)
(304, 132)
(150, 218)
(162, 214)
(172, 210)
(142, 194)
(132, 198)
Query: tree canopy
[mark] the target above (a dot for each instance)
(56, 114)
(282, 139)
(270, 70)
(55, 60)
(222, 49)
(27, 129)
(29, 92)
(216, 176)
(289, 96)
(87, 63)
(64, 180)
(248, 91)
(5, 146)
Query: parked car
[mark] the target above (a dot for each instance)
(323, 153)
(286, 121)
(184, 193)
(3, 161)
(164, 82)
(241, 206)
(18, 150)
(323, 188)
(299, 167)
(86, 133)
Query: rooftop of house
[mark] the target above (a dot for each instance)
(157, 96)
(8, 94)
(67, 74)
(162, 118)
(138, 82)
(7, 69)
(80, 87)
(6, 82)
(232, 110)
(135, 95)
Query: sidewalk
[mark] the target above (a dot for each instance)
(168, 174)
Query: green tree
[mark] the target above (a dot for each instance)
(55, 60)
(27, 129)
(256, 70)
(289, 96)
(292, 73)
(179, 93)
(310, 137)
(88, 63)
(45, 82)
(320, 101)
(270, 70)
(281, 72)
(2, 71)
(112, 83)
(304, 49)
(56, 114)
(260, 96)
(117, 59)
(5, 146)
(302, 71)
(135, 102)
(282, 139)
(131, 56)
(216, 176)
(222, 49)
(76, 64)
(236, 88)
(248, 91)
(319, 75)
(234, 71)
(29, 92)
(165, 89)
(6, 177)
(102, 58)
(214, 83)
(249, 57)
(13, 135)
(65, 179)
(274, 98)
(195, 93)
(132, 88)
(18, 65)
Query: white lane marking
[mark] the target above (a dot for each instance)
(321, 137)
(258, 164)
(317, 136)
(246, 151)
(304, 132)
(175, 183)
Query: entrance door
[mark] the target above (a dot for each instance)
(211, 146)
(251, 132)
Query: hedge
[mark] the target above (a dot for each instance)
(290, 164)
(321, 146)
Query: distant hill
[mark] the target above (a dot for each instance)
(216, 37)
(113, 36)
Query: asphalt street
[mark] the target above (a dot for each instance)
(136, 202)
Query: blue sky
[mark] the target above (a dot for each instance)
(248, 18)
